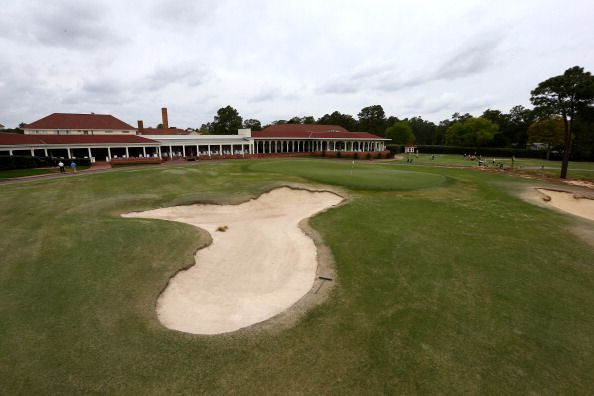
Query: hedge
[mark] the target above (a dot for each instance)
(25, 161)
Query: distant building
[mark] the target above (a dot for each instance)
(78, 124)
(105, 137)
(410, 148)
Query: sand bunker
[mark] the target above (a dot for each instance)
(569, 202)
(258, 266)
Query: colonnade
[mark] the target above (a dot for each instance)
(310, 146)
(164, 149)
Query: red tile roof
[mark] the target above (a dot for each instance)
(314, 131)
(79, 121)
(11, 139)
(168, 131)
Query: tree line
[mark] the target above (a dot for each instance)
(562, 118)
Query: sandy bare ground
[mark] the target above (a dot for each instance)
(569, 202)
(581, 183)
(258, 266)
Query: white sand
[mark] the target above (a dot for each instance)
(566, 201)
(260, 266)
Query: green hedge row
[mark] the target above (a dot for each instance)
(25, 161)
(484, 151)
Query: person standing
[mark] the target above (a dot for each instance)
(61, 166)
(73, 166)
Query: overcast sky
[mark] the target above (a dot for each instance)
(279, 59)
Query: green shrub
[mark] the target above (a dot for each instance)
(368, 156)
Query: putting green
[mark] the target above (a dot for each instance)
(358, 176)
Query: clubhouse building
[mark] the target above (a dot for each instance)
(103, 137)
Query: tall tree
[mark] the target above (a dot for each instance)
(253, 124)
(372, 119)
(583, 131)
(294, 120)
(471, 132)
(425, 131)
(226, 122)
(337, 118)
(520, 118)
(308, 120)
(400, 133)
(548, 131)
(501, 138)
(565, 95)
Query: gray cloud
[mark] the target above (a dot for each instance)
(266, 95)
(70, 25)
(186, 12)
(470, 60)
(274, 59)
(185, 74)
(389, 77)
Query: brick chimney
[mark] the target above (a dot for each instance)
(165, 118)
(140, 126)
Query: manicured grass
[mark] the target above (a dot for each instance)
(7, 174)
(360, 175)
(460, 288)
(577, 170)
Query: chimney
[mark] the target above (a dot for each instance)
(140, 126)
(165, 119)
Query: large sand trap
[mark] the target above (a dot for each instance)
(569, 202)
(262, 264)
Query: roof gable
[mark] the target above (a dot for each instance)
(315, 131)
(79, 121)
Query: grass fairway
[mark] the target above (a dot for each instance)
(447, 284)
(577, 170)
(356, 175)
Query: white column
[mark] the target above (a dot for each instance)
(209, 150)
(109, 153)
(220, 149)
(45, 151)
(159, 151)
(184, 150)
(127, 153)
(231, 149)
(170, 152)
(88, 148)
(32, 153)
(143, 151)
(9, 152)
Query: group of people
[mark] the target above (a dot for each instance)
(63, 169)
